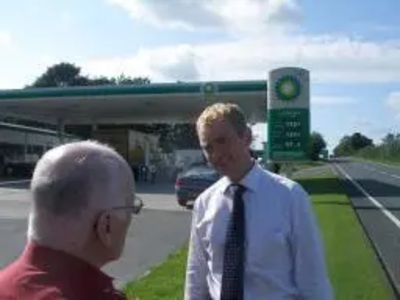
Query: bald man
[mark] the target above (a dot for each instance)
(83, 202)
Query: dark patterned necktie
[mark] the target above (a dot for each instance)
(233, 266)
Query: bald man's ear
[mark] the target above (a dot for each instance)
(104, 229)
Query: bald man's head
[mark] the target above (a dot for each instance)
(75, 188)
(68, 177)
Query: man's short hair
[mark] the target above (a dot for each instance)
(229, 112)
(68, 191)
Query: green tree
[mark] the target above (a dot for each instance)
(349, 145)
(172, 136)
(185, 136)
(344, 147)
(359, 141)
(61, 75)
(124, 80)
(317, 144)
(102, 80)
(67, 74)
(120, 80)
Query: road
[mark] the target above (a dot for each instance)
(374, 190)
(160, 229)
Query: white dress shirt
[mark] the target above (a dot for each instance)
(284, 252)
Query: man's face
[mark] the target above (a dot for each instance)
(223, 147)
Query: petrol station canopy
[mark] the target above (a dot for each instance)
(151, 103)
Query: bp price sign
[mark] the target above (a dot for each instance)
(288, 115)
(288, 135)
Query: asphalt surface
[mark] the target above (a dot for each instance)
(374, 190)
(159, 230)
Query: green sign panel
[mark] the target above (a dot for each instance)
(288, 134)
(288, 115)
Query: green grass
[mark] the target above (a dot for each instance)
(290, 168)
(354, 271)
(353, 267)
(165, 281)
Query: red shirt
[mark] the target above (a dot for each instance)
(41, 273)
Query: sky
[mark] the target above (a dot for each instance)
(352, 48)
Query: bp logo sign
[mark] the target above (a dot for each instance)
(209, 88)
(287, 88)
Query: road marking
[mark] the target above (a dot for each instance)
(2, 183)
(370, 198)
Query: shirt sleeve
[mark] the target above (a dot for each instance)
(196, 287)
(310, 274)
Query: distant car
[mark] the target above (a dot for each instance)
(191, 183)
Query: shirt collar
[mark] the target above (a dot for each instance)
(61, 264)
(249, 181)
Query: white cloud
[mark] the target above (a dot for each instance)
(233, 15)
(264, 41)
(393, 102)
(160, 64)
(171, 14)
(332, 100)
(5, 40)
(332, 59)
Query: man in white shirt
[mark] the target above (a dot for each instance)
(253, 234)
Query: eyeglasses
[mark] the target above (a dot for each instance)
(135, 208)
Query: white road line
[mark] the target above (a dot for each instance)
(3, 183)
(370, 198)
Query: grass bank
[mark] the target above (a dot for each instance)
(352, 266)
(164, 281)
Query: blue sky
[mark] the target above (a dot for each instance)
(352, 48)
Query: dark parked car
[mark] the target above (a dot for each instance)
(190, 184)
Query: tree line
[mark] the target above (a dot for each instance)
(359, 145)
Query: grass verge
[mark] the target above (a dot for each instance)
(163, 282)
(354, 271)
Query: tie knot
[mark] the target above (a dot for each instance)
(238, 189)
